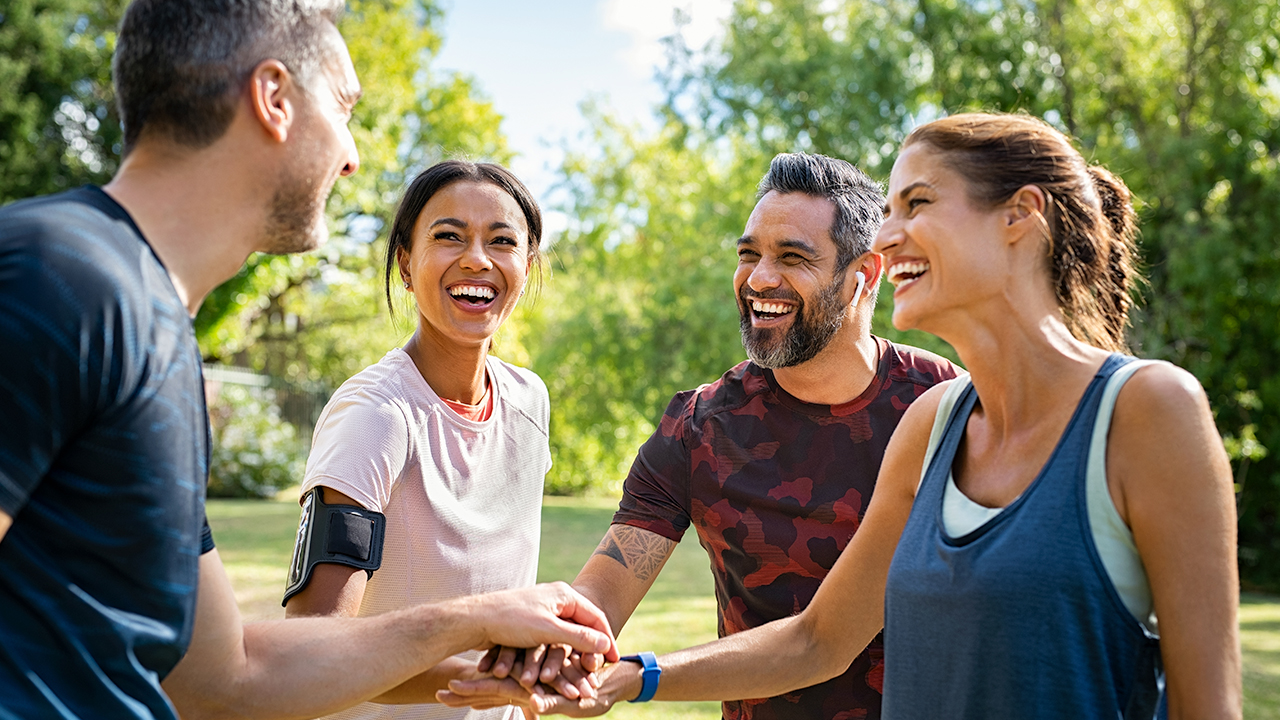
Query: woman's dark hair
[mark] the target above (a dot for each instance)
(441, 175)
(1090, 212)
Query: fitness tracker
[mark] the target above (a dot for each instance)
(649, 674)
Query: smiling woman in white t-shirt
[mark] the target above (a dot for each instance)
(446, 441)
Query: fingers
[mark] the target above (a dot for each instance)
(489, 659)
(572, 683)
(554, 662)
(578, 609)
(491, 692)
(506, 660)
(592, 662)
(535, 667)
(560, 705)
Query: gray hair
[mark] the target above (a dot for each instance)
(180, 64)
(858, 199)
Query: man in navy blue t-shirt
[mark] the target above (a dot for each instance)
(113, 601)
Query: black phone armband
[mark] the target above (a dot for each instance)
(342, 534)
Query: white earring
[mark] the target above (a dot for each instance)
(406, 284)
(862, 281)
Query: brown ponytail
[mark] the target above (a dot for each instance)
(1090, 213)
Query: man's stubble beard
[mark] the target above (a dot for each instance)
(810, 333)
(296, 222)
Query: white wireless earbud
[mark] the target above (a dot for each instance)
(862, 282)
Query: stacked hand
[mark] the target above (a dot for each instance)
(545, 679)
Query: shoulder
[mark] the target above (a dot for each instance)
(741, 384)
(919, 367)
(1160, 398)
(377, 391)
(523, 380)
(75, 248)
(523, 390)
(920, 415)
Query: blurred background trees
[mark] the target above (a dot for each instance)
(1180, 97)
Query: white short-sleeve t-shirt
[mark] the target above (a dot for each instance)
(463, 499)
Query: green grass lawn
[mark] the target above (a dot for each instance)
(255, 539)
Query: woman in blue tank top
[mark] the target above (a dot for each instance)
(1017, 591)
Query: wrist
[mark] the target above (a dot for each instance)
(455, 624)
(621, 682)
(649, 672)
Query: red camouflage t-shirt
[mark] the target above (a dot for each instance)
(775, 488)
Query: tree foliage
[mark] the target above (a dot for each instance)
(58, 122)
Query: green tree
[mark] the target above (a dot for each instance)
(58, 123)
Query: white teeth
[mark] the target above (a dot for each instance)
(904, 273)
(482, 292)
(771, 308)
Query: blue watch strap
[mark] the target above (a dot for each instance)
(649, 674)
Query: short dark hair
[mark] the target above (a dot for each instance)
(858, 199)
(180, 64)
(438, 177)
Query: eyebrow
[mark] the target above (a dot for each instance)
(788, 243)
(351, 97)
(907, 190)
(498, 225)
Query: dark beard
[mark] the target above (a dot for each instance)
(809, 334)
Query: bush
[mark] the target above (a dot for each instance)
(255, 453)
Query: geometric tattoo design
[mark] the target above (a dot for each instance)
(640, 551)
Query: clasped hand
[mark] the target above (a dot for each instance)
(540, 680)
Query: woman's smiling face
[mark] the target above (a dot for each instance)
(941, 250)
(468, 261)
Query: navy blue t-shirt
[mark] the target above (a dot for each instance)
(103, 458)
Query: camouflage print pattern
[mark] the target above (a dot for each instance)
(775, 488)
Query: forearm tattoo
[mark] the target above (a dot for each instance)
(640, 551)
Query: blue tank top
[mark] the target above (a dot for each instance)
(1017, 619)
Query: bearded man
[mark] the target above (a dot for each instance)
(774, 463)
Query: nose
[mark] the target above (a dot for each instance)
(764, 276)
(889, 236)
(353, 156)
(474, 257)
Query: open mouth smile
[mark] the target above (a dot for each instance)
(764, 311)
(904, 273)
(472, 296)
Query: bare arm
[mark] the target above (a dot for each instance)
(334, 590)
(816, 645)
(304, 667)
(5, 522)
(338, 590)
(1171, 482)
(616, 578)
(622, 569)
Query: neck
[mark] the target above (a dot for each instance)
(1023, 362)
(195, 209)
(841, 371)
(454, 372)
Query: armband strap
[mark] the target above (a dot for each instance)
(649, 675)
(342, 534)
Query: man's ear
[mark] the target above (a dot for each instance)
(1025, 211)
(271, 88)
(871, 265)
